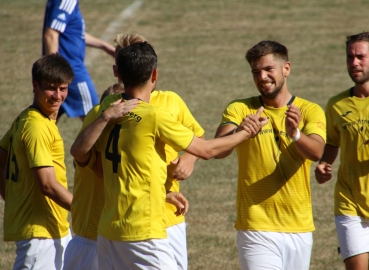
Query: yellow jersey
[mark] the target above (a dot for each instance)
(273, 178)
(176, 106)
(134, 163)
(348, 128)
(33, 141)
(88, 192)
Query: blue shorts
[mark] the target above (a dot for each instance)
(81, 98)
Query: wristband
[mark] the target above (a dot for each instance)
(297, 137)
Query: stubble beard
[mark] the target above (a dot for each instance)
(272, 95)
(360, 80)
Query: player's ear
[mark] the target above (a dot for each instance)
(286, 68)
(154, 75)
(34, 85)
(115, 71)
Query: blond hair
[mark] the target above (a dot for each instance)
(116, 88)
(124, 40)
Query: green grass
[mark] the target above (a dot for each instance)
(201, 46)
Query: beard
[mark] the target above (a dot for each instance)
(360, 80)
(275, 92)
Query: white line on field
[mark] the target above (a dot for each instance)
(112, 29)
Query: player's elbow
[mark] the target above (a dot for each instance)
(46, 189)
(206, 154)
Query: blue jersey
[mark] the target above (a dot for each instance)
(65, 17)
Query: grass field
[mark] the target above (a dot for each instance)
(201, 46)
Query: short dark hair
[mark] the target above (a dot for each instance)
(363, 36)
(266, 47)
(52, 68)
(135, 63)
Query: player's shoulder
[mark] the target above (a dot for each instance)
(108, 100)
(340, 97)
(250, 102)
(304, 103)
(164, 95)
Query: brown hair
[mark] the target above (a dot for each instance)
(266, 47)
(363, 36)
(52, 68)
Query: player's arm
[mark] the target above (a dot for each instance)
(51, 41)
(81, 147)
(94, 42)
(3, 165)
(185, 165)
(309, 146)
(323, 171)
(50, 187)
(223, 131)
(252, 124)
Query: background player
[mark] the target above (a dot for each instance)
(274, 212)
(33, 178)
(177, 167)
(347, 129)
(64, 32)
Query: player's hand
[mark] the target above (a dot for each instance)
(184, 166)
(293, 119)
(253, 123)
(323, 173)
(120, 108)
(179, 201)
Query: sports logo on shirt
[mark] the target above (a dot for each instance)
(62, 17)
(346, 113)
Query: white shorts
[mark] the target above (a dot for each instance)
(81, 254)
(353, 235)
(273, 250)
(177, 240)
(147, 255)
(41, 253)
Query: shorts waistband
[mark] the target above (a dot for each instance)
(85, 240)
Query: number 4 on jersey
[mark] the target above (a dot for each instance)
(113, 156)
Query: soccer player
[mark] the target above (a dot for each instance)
(347, 129)
(64, 32)
(33, 178)
(132, 231)
(178, 167)
(81, 252)
(274, 213)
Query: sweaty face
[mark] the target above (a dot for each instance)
(358, 61)
(269, 75)
(48, 97)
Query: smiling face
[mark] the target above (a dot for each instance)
(357, 60)
(48, 97)
(269, 73)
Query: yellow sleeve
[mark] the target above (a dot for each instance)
(234, 113)
(37, 140)
(90, 117)
(5, 141)
(186, 117)
(172, 132)
(333, 133)
(315, 122)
